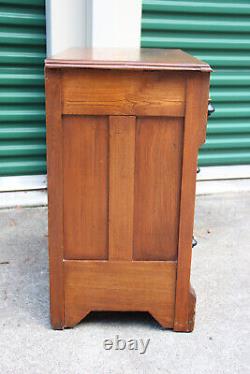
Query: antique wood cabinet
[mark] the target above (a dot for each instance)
(123, 132)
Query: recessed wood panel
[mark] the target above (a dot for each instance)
(158, 161)
(106, 92)
(85, 205)
(119, 286)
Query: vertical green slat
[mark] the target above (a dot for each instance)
(217, 32)
(22, 111)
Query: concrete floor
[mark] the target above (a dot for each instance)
(220, 276)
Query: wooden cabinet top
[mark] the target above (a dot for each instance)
(119, 58)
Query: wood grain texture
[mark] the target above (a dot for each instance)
(133, 58)
(121, 186)
(157, 188)
(105, 92)
(85, 204)
(119, 286)
(55, 196)
(196, 112)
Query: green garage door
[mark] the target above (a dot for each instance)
(22, 115)
(217, 32)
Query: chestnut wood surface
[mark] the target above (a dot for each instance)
(121, 186)
(120, 286)
(105, 92)
(85, 203)
(122, 155)
(55, 188)
(195, 121)
(134, 58)
(157, 187)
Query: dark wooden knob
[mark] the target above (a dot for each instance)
(211, 108)
(194, 242)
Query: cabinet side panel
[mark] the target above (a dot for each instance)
(85, 187)
(157, 187)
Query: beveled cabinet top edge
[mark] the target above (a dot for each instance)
(134, 59)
